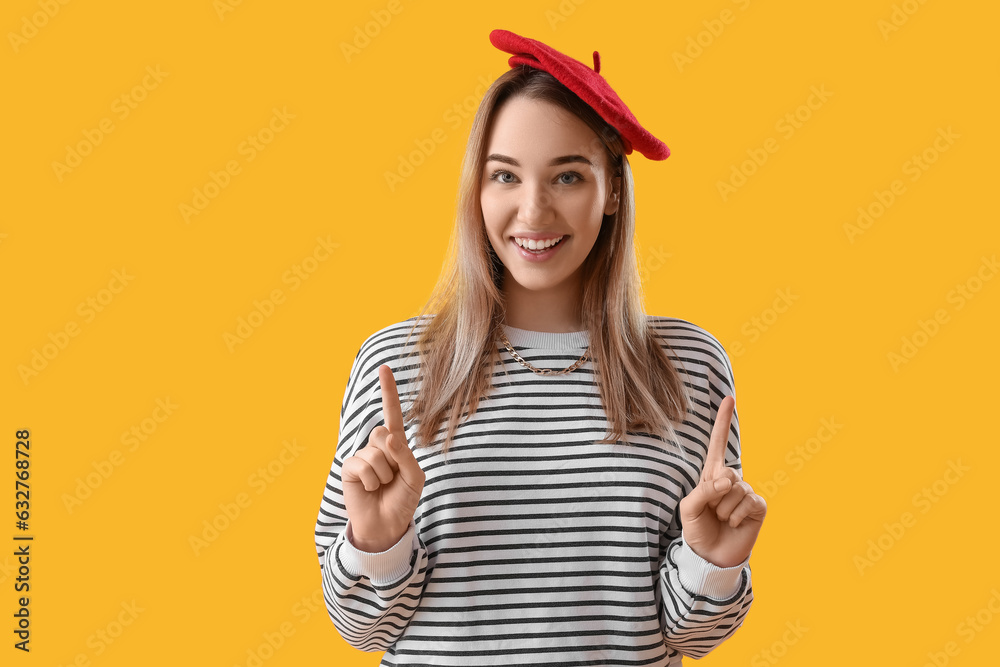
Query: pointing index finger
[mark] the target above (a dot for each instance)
(391, 409)
(715, 460)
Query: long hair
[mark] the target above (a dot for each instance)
(641, 390)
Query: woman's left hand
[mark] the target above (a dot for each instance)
(722, 516)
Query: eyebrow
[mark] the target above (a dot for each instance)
(563, 159)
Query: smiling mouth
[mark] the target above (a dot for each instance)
(532, 245)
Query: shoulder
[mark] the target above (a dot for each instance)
(395, 339)
(676, 332)
(390, 345)
(695, 347)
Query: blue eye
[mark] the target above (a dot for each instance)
(500, 174)
(497, 176)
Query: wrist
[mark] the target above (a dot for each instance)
(700, 576)
(385, 567)
(371, 545)
(720, 560)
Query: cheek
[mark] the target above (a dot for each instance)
(589, 214)
(493, 214)
(490, 224)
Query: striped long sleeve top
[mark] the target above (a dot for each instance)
(532, 544)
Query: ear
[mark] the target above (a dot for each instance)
(614, 196)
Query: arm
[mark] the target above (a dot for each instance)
(370, 597)
(705, 577)
(703, 604)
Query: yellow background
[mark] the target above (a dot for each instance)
(719, 262)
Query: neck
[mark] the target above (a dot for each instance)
(549, 311)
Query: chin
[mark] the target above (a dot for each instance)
(538, 283)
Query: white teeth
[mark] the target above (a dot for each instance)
(532, 244)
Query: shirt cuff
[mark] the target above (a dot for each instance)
(701, 577)
(384, 567)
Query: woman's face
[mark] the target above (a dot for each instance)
(545, 178)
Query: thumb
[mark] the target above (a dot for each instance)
(703, 495)
(409, 469)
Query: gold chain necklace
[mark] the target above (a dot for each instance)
(543, 371)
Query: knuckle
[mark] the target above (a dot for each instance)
(371, 458)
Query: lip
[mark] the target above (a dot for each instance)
(534, 236)
(541, 257)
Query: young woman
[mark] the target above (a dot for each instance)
(564, 485)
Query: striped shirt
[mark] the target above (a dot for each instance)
(532, 544)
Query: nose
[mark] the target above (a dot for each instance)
(536, 203)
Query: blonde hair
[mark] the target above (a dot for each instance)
(641, 390)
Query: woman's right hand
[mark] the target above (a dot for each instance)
(382, 481)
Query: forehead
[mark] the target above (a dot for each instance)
(528, 129)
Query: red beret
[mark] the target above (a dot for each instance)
(588, 85)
